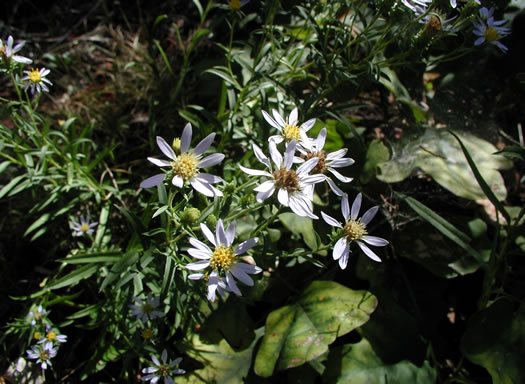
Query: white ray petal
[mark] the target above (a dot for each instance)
(282, 196)
(356, 206)
(342, 178)
(211, 160)
(245, 245)
(208, 234)
(368, 251)
(166, 148)
(330, 220)
(369, 215)
(177, 181)
(340, 247)
(276, 156)
(204, 145)
(232, 285)
(230, 233)
(270, 120)
(153, 180)
(198, 265)
(376, 241)
(185, 139)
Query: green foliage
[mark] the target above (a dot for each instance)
(357, 363)
(495, 338)
(301, 332)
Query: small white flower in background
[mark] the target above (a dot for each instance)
(185, 167)
(144, 310)
(163, 370)
(84, 227)
(36, 80)
(37, 315)
(52, 337)
(354, 230)
(313, 148)
(489, 30)
(43, 354)
(7, 52)
(288, 128)
(237, 4)
(453, 3)
(413, 4)
(436, 20)
(223, 261)
(294, 187)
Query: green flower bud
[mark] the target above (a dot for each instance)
(176, 145)
(211, 221)
(190, 215)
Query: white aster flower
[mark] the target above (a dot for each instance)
(84, 227)
(222, 265)
(413, 4)
(354, 230)
(43, 354)
(144, 310)
(293, 187)
(490, 30)
(7, 52)
(36, 79)
(52, 337)
(185, 167)
(163, 370)
(288, 129)
(313, 148)
(37, 315)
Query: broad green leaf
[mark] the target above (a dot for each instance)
(301, 332)
(221, 363)
(438, 154)
(230, 321)
(495, 339)
(300, 226)
(377, 153)
(358, 363)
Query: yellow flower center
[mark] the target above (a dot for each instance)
(235, 4)
(51, 336)
(147, 308)
(84, 227)
(291, 132)
(355, 230)
(491, 34)
(44, 355)
(164, 370)
(2, 51)
(185, 166)
(37, 316)
(147, 334)
(35, 75)
(37, 336)
(286, 179)
(223, 258)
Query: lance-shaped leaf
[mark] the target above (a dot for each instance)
(303, 331)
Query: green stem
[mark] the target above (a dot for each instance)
(267, 222)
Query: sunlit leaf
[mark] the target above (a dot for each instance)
(358, 363)
(302, 331)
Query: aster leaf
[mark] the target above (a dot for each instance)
(301, 332)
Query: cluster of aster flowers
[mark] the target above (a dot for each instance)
(291, 175)
(489, 30)
(48, 339)
(35, 78)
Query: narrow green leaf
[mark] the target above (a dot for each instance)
(443, 226)
(74, 277)
(14, 181)
(97, 257)
(482, 183)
